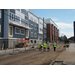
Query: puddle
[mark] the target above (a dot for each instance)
(58, 63)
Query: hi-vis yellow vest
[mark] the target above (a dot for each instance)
(44, 45)
(40, 45)
(54, 45)
(47, 45)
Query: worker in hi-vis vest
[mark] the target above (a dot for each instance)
(39, 46)
(64, 46)
(54, 46)
(44, 46)
(48, 47)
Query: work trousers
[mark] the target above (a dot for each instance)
(40, 49)
(44, 49)
(54, 48)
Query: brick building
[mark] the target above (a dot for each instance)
(52, 30)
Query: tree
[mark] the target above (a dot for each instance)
(65, 38)
(47, 40)
(60, 39)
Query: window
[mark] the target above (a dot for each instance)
(26, 21)
(12, 16)
(34, 41)
(31, 34)
(35, 28)
(0, 28)
(41, 29)
(31, 25)
(31, 41)
(0, 13)
(18, 9)
(22, 21)
(17, 19)
(17, 30)
(23, 11)
(35, 35)
(22, 31)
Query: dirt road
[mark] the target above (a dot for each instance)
(33, 57)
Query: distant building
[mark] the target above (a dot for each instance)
(52, 30)
(74, 31)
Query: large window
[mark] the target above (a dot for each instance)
(35, 28)
(17, 19)
(35, 34)
(0, 13)
(0, 28)
(31, 25)
(22, 31)
(31, 34)
(12, 16)
(23, 11)
(18, 9)
(22, 21)
(17, 30)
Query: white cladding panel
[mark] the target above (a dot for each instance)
(26, 9)
(40, 26)
(47, 20)
(32, 17)
(18, 13)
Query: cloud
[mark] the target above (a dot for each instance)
(64, 25)
(72, 11)
(68, 34)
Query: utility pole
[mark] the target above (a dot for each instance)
(74, 31)
(43, 31)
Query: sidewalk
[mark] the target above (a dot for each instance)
(68, 55)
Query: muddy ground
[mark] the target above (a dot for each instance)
(32, 57)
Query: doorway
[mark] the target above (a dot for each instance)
(10, 31)
(26, 33)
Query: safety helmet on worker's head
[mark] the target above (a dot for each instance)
(54, 42)
(47, 42)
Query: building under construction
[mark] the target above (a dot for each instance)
(52, 30)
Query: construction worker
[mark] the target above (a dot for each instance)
(40, 47)
(54, 46)
(48, 46)
(44, 45)
(64, 46)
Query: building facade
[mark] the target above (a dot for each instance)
(22, 24)
(40, 29)
(33, 24)
(45, 32)
(52, 31)
(18, 24)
